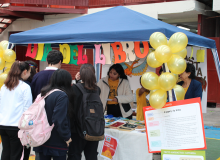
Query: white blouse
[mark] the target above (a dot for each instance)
(13, 103)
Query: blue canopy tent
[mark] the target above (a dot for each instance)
(112, 25)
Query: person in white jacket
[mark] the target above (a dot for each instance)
(116, 93)
(15, 98)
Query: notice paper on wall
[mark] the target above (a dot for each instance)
(178, 125)
(182, 155)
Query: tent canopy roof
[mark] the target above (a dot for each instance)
(111, 25)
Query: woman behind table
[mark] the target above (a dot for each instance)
(192, 87)
(78, 145)
(142, 101)
(15, 98)
(56, 106)
(116, 92)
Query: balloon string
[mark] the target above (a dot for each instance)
(170, 94)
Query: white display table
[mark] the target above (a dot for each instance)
(131, 146)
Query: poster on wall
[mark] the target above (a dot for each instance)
(179, 125)
(109, 147)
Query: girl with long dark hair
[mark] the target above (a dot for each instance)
(56, 106)
(34, 70)
(79, 144)
(15, 98)
(116, 93)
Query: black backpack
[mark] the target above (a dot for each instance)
(90, 115)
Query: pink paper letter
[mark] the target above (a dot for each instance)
(98, 59)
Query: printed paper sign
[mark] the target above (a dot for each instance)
(179, 125)
(109, 147)
(182, 155)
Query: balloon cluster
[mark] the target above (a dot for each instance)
(173, 53)
(7, 58)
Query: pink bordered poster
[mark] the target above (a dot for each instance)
(178, 125)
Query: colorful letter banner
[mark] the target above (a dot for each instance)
(109, 147)
(73, 54)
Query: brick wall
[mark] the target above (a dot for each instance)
(73, 69)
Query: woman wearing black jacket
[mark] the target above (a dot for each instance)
(56, 106)
(78, 145)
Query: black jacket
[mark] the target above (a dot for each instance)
(56, 106)
(194, 90)
(76, 104)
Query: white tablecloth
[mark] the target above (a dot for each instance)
(131, 146)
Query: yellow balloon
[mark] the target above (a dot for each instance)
(176, 76)
(158, 99)
(4, 44)
(9, 55)
(149, 80)
(152, 62)
(176, 64)
(152, 91)
(2, 63)
(1, 51)
(163, 54)
(178, 41)
(157, 39)
(179, 92)
(9, 64)
(6, 70)
(167, 81)
(182, 53)
(3, 77)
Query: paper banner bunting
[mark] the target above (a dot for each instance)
(118, 52)
(82, 59)
(40, 51)
(47, 49)
(200, 55)
(138, 51)
(99, 58)
(106, 52)
(65, 50)
(29, 53)
(129, 51)
(73, 54)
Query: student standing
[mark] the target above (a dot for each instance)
(79, 144)
(116, 93)
(34, 70)
(42, 78)
(15, 98)
(56, 106)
